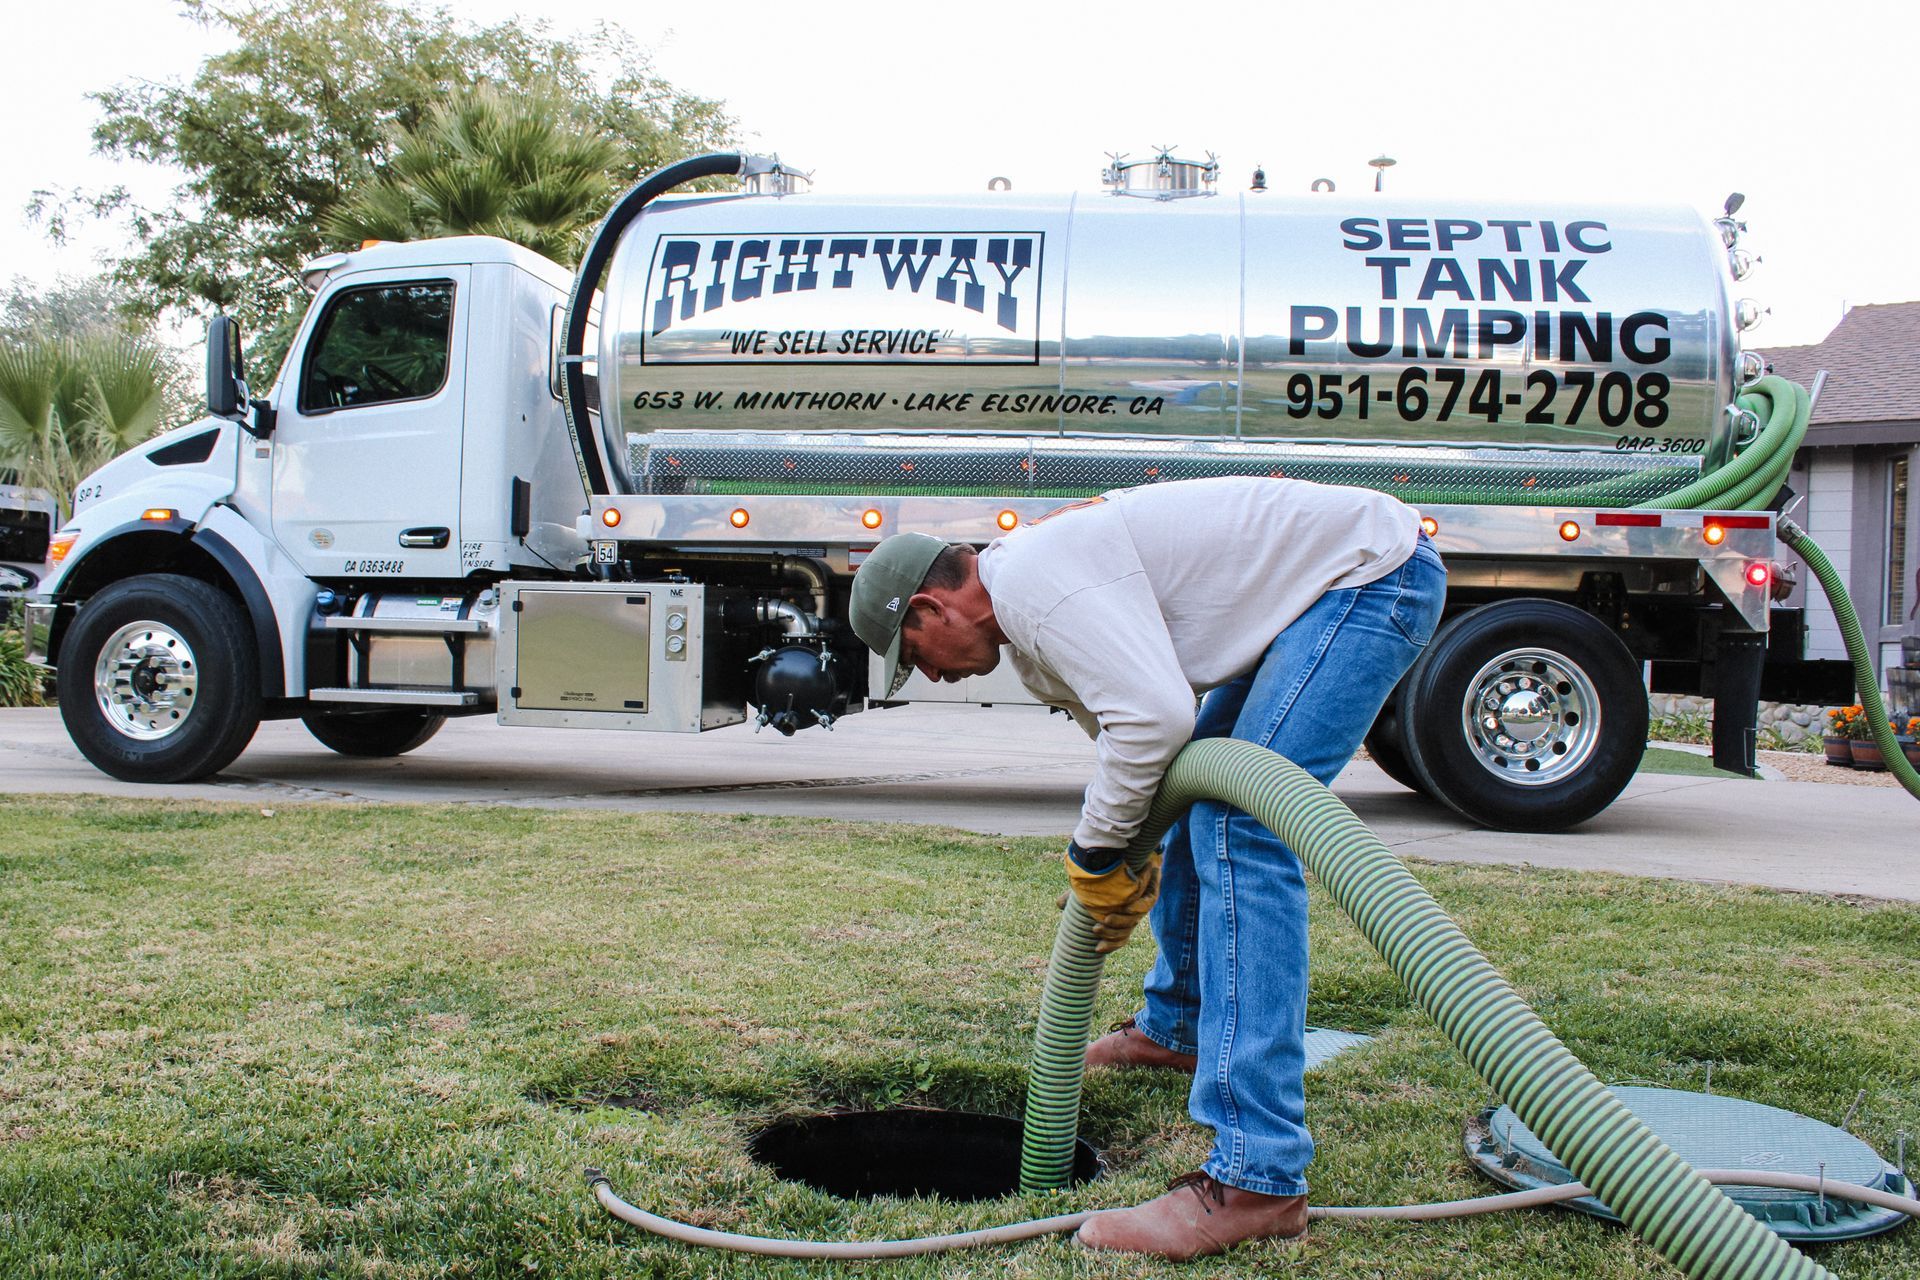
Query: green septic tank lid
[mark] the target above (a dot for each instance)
(1709, 1131)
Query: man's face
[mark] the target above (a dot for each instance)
(942, 646)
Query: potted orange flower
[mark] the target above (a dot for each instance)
(1860, 741)
(1909, 740)
(1838, 741)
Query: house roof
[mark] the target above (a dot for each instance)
(1872, 359)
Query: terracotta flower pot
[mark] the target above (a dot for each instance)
(1866, 754)
(1839, 750)
(1911, 747)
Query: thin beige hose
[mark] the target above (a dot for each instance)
(1016, 1231)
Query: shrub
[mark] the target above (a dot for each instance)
(1681, 726)
(1772, 739)
(20, 680)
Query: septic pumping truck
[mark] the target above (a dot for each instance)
(632, 496)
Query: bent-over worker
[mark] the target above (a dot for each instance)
(1295, 608)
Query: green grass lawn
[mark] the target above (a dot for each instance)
(1667, 760)
(383, 1041)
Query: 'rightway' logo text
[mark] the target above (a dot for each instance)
(696, 274)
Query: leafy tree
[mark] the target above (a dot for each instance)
(275, 134)
(69, 405)
(488, 162)
(71, 307)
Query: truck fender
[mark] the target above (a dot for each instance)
(118, 496)
(235, 550)
(285, 595)
(266, 626)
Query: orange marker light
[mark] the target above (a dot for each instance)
(610, 517)
(61, 544)
(1714, 534)
(869, 518)
(1758, 574)
(158, 513)
(1569, 529)
(1006, 520)
(1429, 524)
(739, 518)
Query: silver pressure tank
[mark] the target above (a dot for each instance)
(1239, 317)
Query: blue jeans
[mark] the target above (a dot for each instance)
(1230, 983)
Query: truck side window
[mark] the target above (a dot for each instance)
(379, 344)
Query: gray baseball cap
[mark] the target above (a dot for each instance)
(884, 584)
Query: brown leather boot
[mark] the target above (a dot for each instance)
(1124, 1046)
(1196, 1217)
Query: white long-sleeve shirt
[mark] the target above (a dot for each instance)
(1122, 609)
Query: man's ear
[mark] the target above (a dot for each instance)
(924, 600)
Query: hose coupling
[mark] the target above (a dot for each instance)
(1744, 425)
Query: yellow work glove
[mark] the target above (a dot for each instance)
(1117, 899)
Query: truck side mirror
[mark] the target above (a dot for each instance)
(226, 370)
(227, 380)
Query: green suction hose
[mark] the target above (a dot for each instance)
(1796, 537)
(1653, 1190)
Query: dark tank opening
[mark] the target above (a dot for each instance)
(956, 1155)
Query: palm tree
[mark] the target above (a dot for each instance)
(484, 162)
(69, 405)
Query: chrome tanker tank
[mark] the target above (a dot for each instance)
(1023, 324)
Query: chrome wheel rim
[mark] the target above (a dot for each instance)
(145, 681)
(1531, 717)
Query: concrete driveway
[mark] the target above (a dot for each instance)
(1016, 771)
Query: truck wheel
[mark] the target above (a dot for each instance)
(159, 680)
(1387, 745)
(373, 733)
(1526, 715)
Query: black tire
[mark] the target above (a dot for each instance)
(161, 680)
(1558, 719)
(1387, 747)
(372, 733)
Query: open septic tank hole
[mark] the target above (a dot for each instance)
(956, 1155)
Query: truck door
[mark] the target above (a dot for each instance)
(367, 450)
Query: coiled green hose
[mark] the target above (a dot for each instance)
(1758, 471)
(1653, 1190)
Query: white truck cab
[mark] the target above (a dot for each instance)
(411, 438)
(415, 419)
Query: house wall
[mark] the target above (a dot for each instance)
(1904, 623)
(1830, 519)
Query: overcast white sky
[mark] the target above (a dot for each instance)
(1807, 108)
